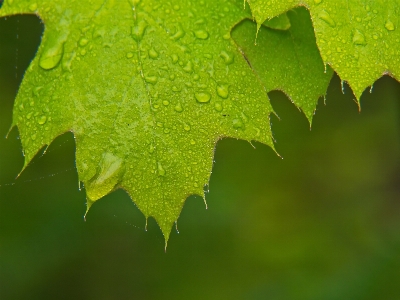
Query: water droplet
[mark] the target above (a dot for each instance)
(389, 25)
(227, 57)
(177, 7)
(237, 123)
(317, 1)
(196, 77)
(175, 58)
(29, 115)
(222, 91)
(203, 97)
(218, 106)
(324, 16)
(33, 136)
(166, 130)
(83, 52)
(201, 34)
(192, 142)
(129, 55)
(196, 184)
(83, 42)
(150, 79)
(21, 107)
(375, 36)
(165, 102)
(42, 120)
(161, 170)
(52, 54)
(109, 173)
(138, 30)
(359, 38)
(186, 127)
(33, 7)
(178, 108)
(151, 148)
(179, 33)
(153, 53)
(189, 67)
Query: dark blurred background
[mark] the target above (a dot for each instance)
(321, 223)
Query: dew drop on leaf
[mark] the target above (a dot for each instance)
(83, 42)
(203, 97)
(138, 30)
(151, 79)
(359, 38)
(237, 123)
(52, 55)
(188, 67)
(227, 57)
(201, 34)
(33, 7)
(153, 53)
(389, 25)
(179, 33)
(222, 91)
(161, 170)
(42, 120)
(178, 108)
(325, 16)
(218, 106)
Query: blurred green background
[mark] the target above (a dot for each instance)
(321, 223)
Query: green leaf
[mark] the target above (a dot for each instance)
(147, 88)
(358, 39)
(287, 60)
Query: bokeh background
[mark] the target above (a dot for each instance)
(321, 223)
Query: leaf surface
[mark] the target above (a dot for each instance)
(358, 39)
(148, 88)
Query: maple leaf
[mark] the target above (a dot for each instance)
(148, 89)
(358, 39)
